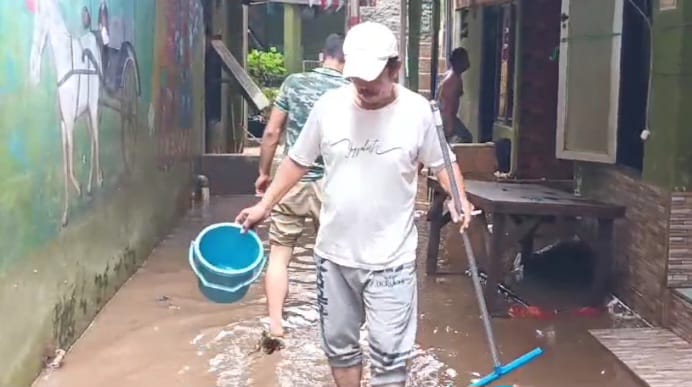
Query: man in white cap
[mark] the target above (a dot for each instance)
(371, 134)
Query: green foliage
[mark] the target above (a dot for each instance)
(267, 68)
(270, 93)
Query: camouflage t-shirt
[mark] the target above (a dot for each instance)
(297, 95)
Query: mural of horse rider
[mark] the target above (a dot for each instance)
(79, 68)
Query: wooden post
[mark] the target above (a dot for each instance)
(435, 52)
(293, 49)
(403, 21)
(415, 14)
(233, 106)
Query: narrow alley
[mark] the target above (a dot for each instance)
(160, 331)
(120, 118)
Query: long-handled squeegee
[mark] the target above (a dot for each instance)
(499, 369)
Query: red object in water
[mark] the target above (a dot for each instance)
(32, 5)
(518, 311)
(588, 311)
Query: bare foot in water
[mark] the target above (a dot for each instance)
(270, 343)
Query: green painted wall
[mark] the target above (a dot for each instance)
(669, 118)
(668, 152)
(61, 264)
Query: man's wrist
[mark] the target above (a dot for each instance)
(265, 204)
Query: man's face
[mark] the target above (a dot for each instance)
(461, 65)
(379, 90)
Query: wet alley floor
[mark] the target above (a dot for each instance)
(159, 331)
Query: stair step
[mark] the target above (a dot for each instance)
(680, 313)
(657, 356)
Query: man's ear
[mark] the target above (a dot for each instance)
(394, 69)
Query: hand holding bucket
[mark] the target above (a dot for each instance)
(226, 260)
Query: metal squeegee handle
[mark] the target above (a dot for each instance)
(456, 196)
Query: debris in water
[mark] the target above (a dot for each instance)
(547, 334)
(57, 360)
(517, 311)
(184, 370)
(619, 310)
(197, 339)
(588, 311)
(167, 300)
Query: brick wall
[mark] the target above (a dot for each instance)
(680, 240)
(424, 66)
(680, 316)
(641, 238)
(537, 93)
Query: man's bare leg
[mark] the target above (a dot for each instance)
(347, 377)
(276, 285)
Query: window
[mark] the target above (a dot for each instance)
(602, 100)
(505, 71)
(589, 81)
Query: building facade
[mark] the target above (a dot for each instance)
(594, 91)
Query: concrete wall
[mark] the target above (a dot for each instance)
(388, 12)
(469, 108)
(55, 275)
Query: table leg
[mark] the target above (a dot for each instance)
(494, 263)
(435, 218)
(604, 262)
(527, 248)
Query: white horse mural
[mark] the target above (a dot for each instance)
(83, 84)
(78, 86)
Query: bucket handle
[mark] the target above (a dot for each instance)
(222, 288)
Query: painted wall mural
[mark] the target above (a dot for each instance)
(93, 96)
(180, 39)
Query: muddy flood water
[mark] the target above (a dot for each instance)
(159, 331)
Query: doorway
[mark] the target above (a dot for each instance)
(489, 70)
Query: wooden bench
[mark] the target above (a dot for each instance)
(517, 211)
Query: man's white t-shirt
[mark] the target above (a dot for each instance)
(371, 169)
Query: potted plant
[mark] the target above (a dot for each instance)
(268, 70)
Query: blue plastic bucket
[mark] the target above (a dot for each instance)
(226, 261)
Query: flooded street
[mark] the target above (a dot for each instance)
(159, 331)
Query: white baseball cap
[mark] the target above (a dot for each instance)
(367, 48)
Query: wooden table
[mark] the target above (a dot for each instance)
(517, 211)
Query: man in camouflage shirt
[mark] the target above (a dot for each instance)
(296, 98)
